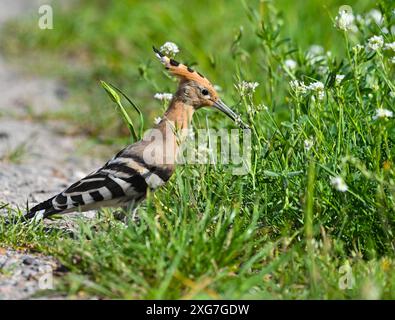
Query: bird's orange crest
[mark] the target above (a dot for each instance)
(184, 72)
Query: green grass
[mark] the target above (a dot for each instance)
(16, 154)
(282, 231)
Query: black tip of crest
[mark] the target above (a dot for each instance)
(174, 63)
(157, 51)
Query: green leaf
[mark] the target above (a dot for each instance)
(115, 97)
(111, 92)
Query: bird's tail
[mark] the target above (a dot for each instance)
(41, 211)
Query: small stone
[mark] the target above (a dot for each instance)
(28, 261)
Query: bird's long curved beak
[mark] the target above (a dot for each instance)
(229, 112)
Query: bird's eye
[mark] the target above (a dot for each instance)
(205, 92)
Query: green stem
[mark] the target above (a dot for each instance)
(359, 96)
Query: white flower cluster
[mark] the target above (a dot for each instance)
(383, 113)
(290, 64)
(318, 58)
(373, 16)
(247, 87)
(308, 144)
(317, 88)
(163, 96)
(298, 86)
(217, 88)
(169, 48)
(244, 85)
(339, 184)
(315, 53)
(375, 43)
(315, 50)
(390, 46)
(339, 78)
(345, 20)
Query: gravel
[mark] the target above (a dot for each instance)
(23, 275)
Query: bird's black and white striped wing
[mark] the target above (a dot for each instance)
(122, 180)
(100, 189)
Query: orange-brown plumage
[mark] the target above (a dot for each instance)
(186, 73)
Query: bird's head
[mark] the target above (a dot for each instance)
(194, 89)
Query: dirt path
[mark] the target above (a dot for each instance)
(35, 160)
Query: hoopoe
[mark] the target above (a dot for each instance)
(123, 181)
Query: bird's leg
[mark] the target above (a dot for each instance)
(122, 214)
(132, 207)
(135, 218)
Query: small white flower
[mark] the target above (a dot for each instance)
(308, 144)
(323, 70)
(317, 88)
(345, 20)
(315, 53)
(163, 96)
(339, 184)
(262, 107)
(374, 15)
(169, 48)
(358, 47)
(217, 88)
(247, 87)
(383, 113)
(315, 50)
(375, 43)
(339, 78)
(298, 86)
(290, 64)
(390, 46)
(252, 85)
(157, 120)
(361, 20)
